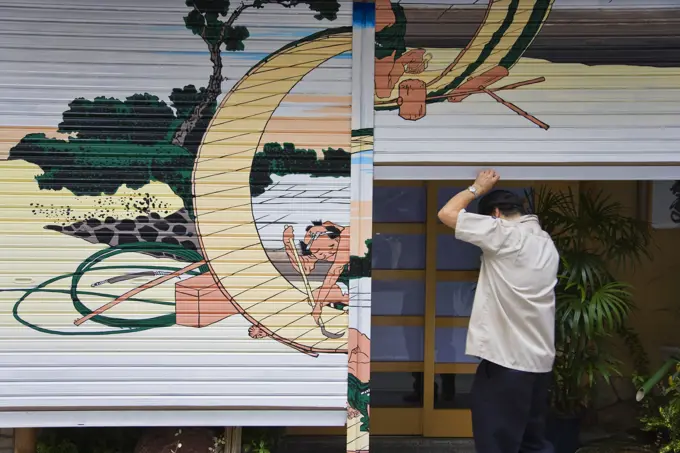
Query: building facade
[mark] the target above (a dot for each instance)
(223, 213)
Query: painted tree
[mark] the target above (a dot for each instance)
(141, 138)
(118, 142)
(214, 22)
(286, 159)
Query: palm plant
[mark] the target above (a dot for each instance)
(593, 235)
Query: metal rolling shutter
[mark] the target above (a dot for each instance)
(581, 81)
(107, 84)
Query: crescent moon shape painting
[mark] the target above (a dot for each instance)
(232, 220)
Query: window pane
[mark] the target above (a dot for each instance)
(450, 345)
(398, 251)
(398, 297)
(397, 343)
(399, 204)
(454, 299)
(455, 255)
(444, 194)
(396, 389)
(452, 391)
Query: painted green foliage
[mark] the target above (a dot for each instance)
(360, 266)
(115, 143)
(281, 160)
(358, 398)
(141, 139)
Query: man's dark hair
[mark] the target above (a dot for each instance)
(507, 203)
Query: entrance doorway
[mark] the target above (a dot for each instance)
(423, 287)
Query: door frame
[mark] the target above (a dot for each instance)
(428, 421)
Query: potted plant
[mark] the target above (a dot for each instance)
(593, 235)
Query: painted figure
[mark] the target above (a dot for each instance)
(358, 399)
(327, 242)
(392, 59)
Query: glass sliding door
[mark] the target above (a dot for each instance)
(398, 307)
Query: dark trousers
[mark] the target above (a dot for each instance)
(509, 409)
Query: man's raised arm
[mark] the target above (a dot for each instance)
(485, 181)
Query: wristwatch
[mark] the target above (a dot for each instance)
(473, 189)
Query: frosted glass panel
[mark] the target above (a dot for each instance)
(450, 345)
(455, 298)
(444, 194)
(455, 255)
(398, 251)
(399, 204)
(398, 297)
(397, 343)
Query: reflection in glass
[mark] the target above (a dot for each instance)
(395, 390)
(454, 299)
(455, 391)
(397, 343)
(455, 255)
(451, 391)
(399, 204)
(398, 251)
(449, 344)
(444, 194)
(397, 297)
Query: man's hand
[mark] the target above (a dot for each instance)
(485, 181)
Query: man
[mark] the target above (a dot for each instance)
(512, 326)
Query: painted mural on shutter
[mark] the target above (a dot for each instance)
(175, 218)
(527, 81)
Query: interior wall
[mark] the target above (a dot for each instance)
(6, 440)
(655, 280)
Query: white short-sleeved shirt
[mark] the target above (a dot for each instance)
(513, 316)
